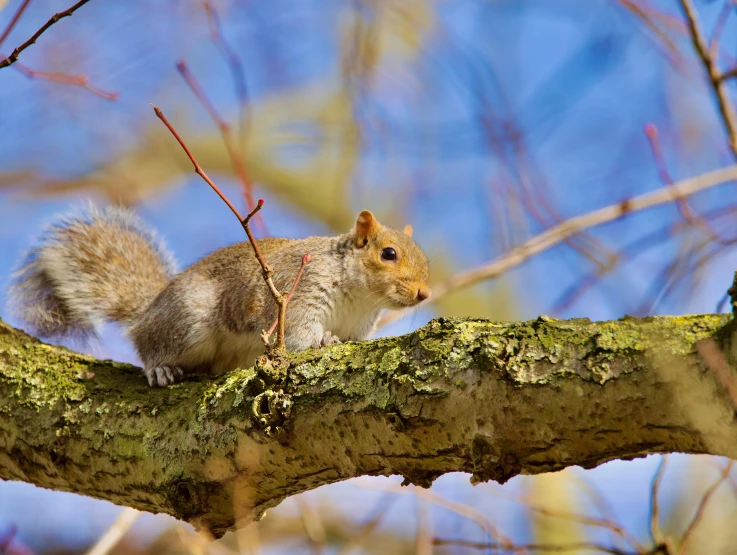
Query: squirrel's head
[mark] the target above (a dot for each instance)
(396, 266)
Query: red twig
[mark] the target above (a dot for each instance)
(14, 20)
(7, 537)
(267, 272)
(67, 79)
(305, 259)
(635, 248)
(235, 156)
(236, 68)
(684, 208)
(197, 168)
(56, 17)
(266, 269)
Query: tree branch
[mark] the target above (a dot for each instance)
(491, 399)
(570, 227)
(10, 60)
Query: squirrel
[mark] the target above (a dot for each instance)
(104, 264)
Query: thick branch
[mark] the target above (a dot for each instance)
(491, 399)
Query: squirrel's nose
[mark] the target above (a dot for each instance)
(423, 293)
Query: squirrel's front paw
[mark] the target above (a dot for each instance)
(162, 375)
(327, 339)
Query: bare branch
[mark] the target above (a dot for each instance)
(654, 508)
(461, 509)
(197, 168)
(235, 156)
(717, 80)
(66, 13)
(14, 20)
(266, 269)
(702, 507)
(312, 523)
(558, 233)
(520, 548)
(236, 68)
(684, 208)
(126, 518)
(305, 259)
(67, 79)
(375, 430)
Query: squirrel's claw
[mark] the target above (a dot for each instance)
(162, 375)
(327, 339)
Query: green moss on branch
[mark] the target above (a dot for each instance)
(491, 399)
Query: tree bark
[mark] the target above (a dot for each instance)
(491, 399)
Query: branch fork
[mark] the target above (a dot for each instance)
(280, 299)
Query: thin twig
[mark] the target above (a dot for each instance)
(67, 79)
(716, 34)
(582, 519)
(197, 168)
(605, 510)
(648, 16)
(126, 518)
(66, 13)
(235, 156)
(654, 509)
(729, 74)
(14, 20)
(716, 78)
(305, 259)
(668, 278)
(314, 528)
(633, 249)
(6, 538)
(423, 542)
(461, 509)
(684, 208)
(558, 233)
(373, 521)
(236, 68)
(550, 547)
(702, 507)
(267, 271)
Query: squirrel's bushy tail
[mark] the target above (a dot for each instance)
(89, 266)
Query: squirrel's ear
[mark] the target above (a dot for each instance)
(408, 231)
(366, 226)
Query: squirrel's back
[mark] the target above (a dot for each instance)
(89, 266)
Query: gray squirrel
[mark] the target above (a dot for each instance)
(104, 264)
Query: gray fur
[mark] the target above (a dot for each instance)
(209, 317)
(85, 270)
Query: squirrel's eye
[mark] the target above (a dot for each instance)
(389, 254)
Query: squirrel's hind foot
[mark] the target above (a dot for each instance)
(327, 339)
(162, 376)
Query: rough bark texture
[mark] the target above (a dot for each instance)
(491, 399)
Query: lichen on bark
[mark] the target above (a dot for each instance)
(492, 399)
